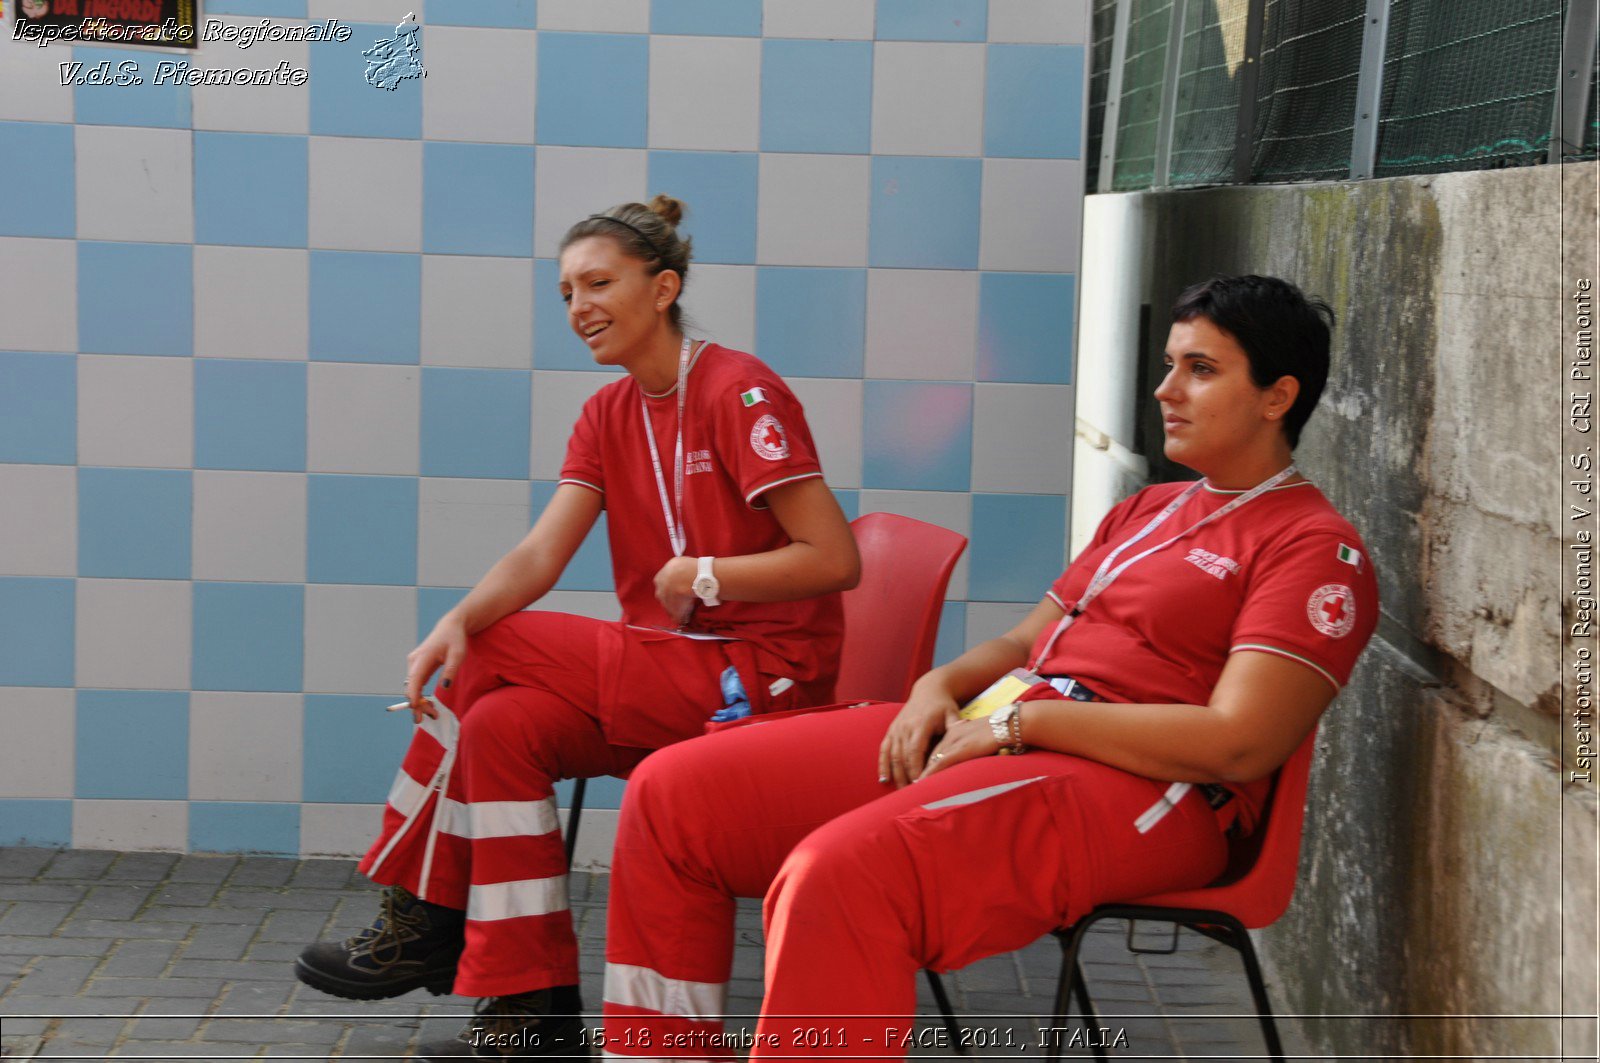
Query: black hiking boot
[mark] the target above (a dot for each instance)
(544, 1024)
(411, 945)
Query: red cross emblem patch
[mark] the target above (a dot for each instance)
(1332, 610)
(768, 439)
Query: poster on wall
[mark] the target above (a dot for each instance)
(157, 23)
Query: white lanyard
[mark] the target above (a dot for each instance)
(677, 532)
(1105, 575)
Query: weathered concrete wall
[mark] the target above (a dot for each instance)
(1438, 872)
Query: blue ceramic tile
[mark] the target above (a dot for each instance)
(352, 748)
(44, 199)
(135, 298)
(135, 523)
(555, 345)
(249, 415)
(952, 642)
(917, 436)
(38, 408)
(244, 827)
(1017, 546)
(812, 322)
(816, 96)
(603, 792)
(495, 403)
(498, 14)
(250, 188)
(366, 307)
(609, 111)
(344, 105)
(926, 212)
(477, 199)
(590, 568)
(263, 8)
(248, 636)
(706, 18)
(1033, 101)
(146, 104)
(37, 632)
(45, 824)
(133, 744)
(849, 501)
(721, 188)
(362, 529)
(433, 603)
(933, 20)
(1025, 323)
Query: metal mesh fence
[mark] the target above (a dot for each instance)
(1207, 111)
(1306, 103)
(1102, 30)
(1142, 78)
(1468, 86)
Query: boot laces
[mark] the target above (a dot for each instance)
(502, 1018)
(400, 921)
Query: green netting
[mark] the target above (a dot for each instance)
(1103, 29)
(1306, 96)
(1140, 106)
(1206, 116)
(1468, 86)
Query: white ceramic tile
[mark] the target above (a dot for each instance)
(30, 81)
(1038, 21)
(1032, 213)
(38, 521)
(596, 841)
(705, 93)
(477, 311)
(383, 12)
(251, 302)
(826, 19)
(339, 830)
(363, 418)
(558, 396)
(927, 98)
(278, 108)
(357, 638)
(602, 605)
(39, 725)
(480, 84)
(951, 510)
(465, 526)
(146, 826)
(244, 747)
(720, 303)
(366, 194)
(134, 634)
(833, 410)
(1022, 438)
(38, 294)
(989, 620)
(135, 183)
(250, 526)
(569, 184)
(813, 210)
(922, 324)
(595, 16)
(135, 411)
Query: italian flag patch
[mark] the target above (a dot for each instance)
(1350, 555)
(753, 396)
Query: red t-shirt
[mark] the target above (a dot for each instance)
(744, 434)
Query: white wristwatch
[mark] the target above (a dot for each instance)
(705, 585)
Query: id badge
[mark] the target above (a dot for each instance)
(1002, 691)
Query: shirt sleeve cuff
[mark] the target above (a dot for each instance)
(581, 483)
(753, 496)
(1293, 655)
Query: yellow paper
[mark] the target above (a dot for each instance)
(1002, 691)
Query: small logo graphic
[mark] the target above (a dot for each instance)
(753, 396)
(768, 439)
(1213, 564)
(697, 461)
(1350, 556)
(392, 61)
(1332, 610)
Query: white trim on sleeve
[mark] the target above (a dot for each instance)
(1281, 652)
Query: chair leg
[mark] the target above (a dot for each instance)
(951, 1026)
(1258, 989)
(574, 813)
(1072, 984)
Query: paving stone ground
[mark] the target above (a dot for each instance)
(154, 956)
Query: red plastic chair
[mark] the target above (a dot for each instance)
(891, 617)
(1253, 892)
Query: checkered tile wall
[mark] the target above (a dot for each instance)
(283, 369)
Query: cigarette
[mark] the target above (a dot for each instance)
(397, 706)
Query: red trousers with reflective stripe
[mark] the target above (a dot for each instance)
(471, 822)
(864, 884)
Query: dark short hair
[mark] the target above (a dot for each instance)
(1282, 331)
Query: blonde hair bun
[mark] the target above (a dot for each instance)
(669, 209)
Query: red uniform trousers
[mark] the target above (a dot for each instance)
(864, 884)
(539, 697)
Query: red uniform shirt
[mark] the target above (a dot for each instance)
(744, 434)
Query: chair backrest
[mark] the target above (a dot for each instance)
(1262, 867)
(891, 618)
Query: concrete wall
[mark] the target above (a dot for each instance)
(1447, 867)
